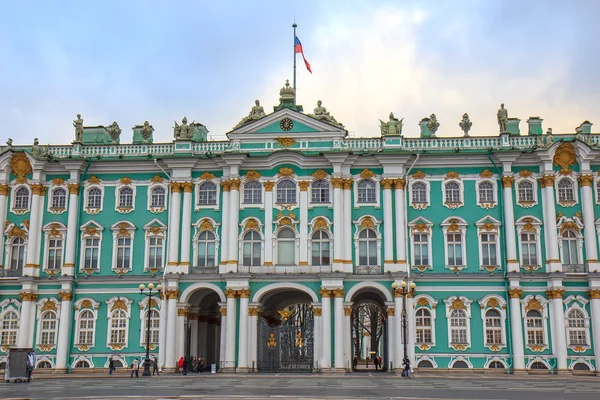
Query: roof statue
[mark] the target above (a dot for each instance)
(465, 124)
(78, 124)
(391, 128)
(257, 112)
(183, 131)
(114, 131)
(147, 131)
(36, 151)
(433, 124)
(287, 98)
(502, 118)
(322, 114)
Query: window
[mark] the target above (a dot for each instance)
(367, 247)
(91, 249)
(126, 197)
(576, 328)
(158, 197)
(420, 249)
(123, 253)
(44, 364)
(118, 327)
(320, 191)
(206, 249)
(94, 198)
(486, 192)
(458, 327)
(82, 364)
(251, 249)
(207, 194)
(425, 364)
(419, 193)
(525, 191)
(423, 325)
(452, 192)
(320, 248)
(22, 199)
(17, 254)
(570, 248)
(9, 328)
(493, 327)
(59, 198)
(252, 192)
(488, 249)
(535, 328)
(48, 328)
(154, 321)
(565, 190)
(538, 365)
(286, 192)
(366, 191)
(55, 248)
(460, 364)
(286, 247)
(155, 252)
(86, 328)
(529, 249)
(455, 249)
(496, 365)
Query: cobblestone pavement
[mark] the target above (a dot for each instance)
(364, 386)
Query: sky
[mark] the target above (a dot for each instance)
(131, 61)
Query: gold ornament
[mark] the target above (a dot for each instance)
(419, 175)
(533, 304)
(157, 179)
(252, 175)
(20, 166)
(452, 175)
(268, 186)
(303, 185)
(94, 180)
(366, 174)
(399, 183)
(457, 304)
(565, 155)
(251, 224)
(206, 225)
(486, 173)
(207, 176)
(525, 173)
(285, 142)
(320, 223)
(507, 181)
(546, 180)
(586, 180)
(286, 171)
(319, 174)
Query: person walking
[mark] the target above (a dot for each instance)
(406, 372)
(111, 366)
(201, 364)
(194, 365)
(180, 365)
(155, 366)
(376, 362)
(135, 368)
(185, 365)
(30, 364)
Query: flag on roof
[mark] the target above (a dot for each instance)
(298, 49)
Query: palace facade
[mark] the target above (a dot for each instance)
(277, 249)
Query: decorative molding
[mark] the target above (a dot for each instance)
(586, 180)
(386, 184)
(252, 175)
(125, 180)
(594, 293)
(337, 183)
(251, 223)
(565, 155)
(28, 296)
(367, 222)
(320, 223)
(546, 180)
(74, 188)
(65, 296)
(507, 181)
(303, 185)
(533, 304)
(286, 171)
(21, 166)
(317, 312)
(285, 142)
(172, 294)
(207, 176)
(400, 183)
(268, 185)
(525, 173)
(4, 190)
(367, 174)
(319, 174)
(452, 175)
(188, 187)
(206, 225)
(555, 293)
(419, 175)
(486, 173)
(157, 179)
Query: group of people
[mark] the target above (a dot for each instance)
(378, 362)
(195, 365)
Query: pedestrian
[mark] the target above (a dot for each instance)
(180, 365)
(111, 366)
(406, 372)
(354, 363)
(380, 362)
(201, 364)
(194, 365)
(155, 366)
(185, 365)
(376, 362)
(135, 368)
(30, 363)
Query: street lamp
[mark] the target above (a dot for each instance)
(149, 294)
(404, 290)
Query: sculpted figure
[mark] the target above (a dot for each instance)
(114, 131)
(35, 148)
(255, 113)
(465, 124)
(9, 144)
(78, 124)
(433, 124)
(502, 118)
(321, 113)
(146, 131)
(392, 127)
(183, 131)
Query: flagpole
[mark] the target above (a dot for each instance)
(294, 26)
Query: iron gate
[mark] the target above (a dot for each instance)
(288, 346)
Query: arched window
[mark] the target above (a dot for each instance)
(570, 248)
(86, 327)
(452, 192)
(82, 364)
(460, 364)
(17, 254)
(486, 192)
(320, 191)
(55, 249)
(496, 365)
(94, 198)
(207, 194)
(44, 364)
(123, 252)
(251, 249)
(458, 327)
(529, 248)
(581, 367)
(488, 249)
(22, 199)
(419, 193)
(366, 191)
(493, 327)
(9, 328)
(423, 325)
(252, 192)
(48, 328)
(286, 192)
(155, 252)
(538, 365)
(126, 197)
(424, 364)
(286, 247)
(576, 328)
(367, 247)
(158, 197)
(565, 190)
(154, 321)
(320, 248)
(525, 191)
(118, 327)
(535, 328)
(206, 249)
(59, 198)
(91, 250)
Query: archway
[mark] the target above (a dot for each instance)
(203, 326)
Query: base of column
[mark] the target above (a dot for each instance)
(60, 371)
(593, 266)
(338, 266)
(553, 266)
(242, 370)
(230, 370)
(519, 372)
(513, 266)
(31, 270)
(338, 370)
(563, 372)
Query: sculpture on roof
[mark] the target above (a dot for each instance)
(114, 131)
(502, 118)
(322, 114)
(78, 124)
(391, 128)
(146, 131)
(465, 124)
(183, 131)
(257, 112)
(433, 124)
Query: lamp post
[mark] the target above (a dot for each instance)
(404, 290)
(148, 294)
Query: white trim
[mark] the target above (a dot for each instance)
(487, 205)
(329, 204)
(276, 245)
(534, 359)
(461, 190)
(57, 211)
(83, 236)
(531, 179)
(47, 229)
(13, 198)
(282, 285)
(217, 241)
(45, 358)
(429, 233)
(118, 188)
(293, 205)
(8, 245)
(573, 181)
(462, 229)
(467, 303)
(162, 233)
(501, 309)
(432, 313)
(426, 358)
(375, 179)
(144, 318)
(241, 241)
(520, 225)
(581, 360)
(577, 303)
(419, 206)
(373, 285)
(197, 183)
(117, 229)
(379, 237)
(185, 296)
(490, 360)
(153, 185)
(544, 313)
(40, 304)
(454, 360)
(87, 187)
(82, 358)
(244, 205)
(109, 317)
(578, 235)
(78, 310)
(481, 229)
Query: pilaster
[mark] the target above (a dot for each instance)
(555, 295)
(3, 210)
(64, 327)
(326, 329)
(338, 225)
(589, 229)
(553, 263)
(234, 221)
(400, 215)
(516, 323)
(509, 221)
(303, 256)
(347, 217)
(340, 337)
(174, 225)
(73, 223)
(186, 226)
(225, 231)
(32, 265)
(172, 295)
(268, 185)
(26, 323)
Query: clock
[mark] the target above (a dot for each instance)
(286, 124)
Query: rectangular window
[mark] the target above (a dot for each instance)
(124, 253)
(286, 252)
(529, 249)
(91, 250)
(54, 253)
(455, 249)
(488, 249)
(421, 249)
(155, 252)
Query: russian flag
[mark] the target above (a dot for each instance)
(298, 47)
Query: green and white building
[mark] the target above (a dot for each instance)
(270, 244)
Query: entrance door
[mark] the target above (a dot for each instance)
(285, 343)
(369, 337)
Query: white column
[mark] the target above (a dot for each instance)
(594, 295)
(516, 329)
(222, 336)
(174, 222)
(388, 226)
(25, 333)
(589, 229)
(3, 202)
(326, 329)
(338, 315)
(32, 264)
(303, 256)
(410, 329)
(391, 321)
(399, 186)
(64, 327)
(252, 337)
(243, 336)
(181, 332)
(552, 258)
(225, 224)
(186, 227)
(231, 330)
(347, 335)
(398, 341)
(268, 223)
(170, 361)
(234, 221)
(509, 221)
(317, 336)
(71, 242)
(338, 224)
(195, 334)
(559, 333)
(347, 216)
(162, 332)
(40, 218)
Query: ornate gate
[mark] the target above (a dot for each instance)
(286, 345)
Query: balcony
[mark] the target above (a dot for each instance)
(11, 273)
(285, 269)
(574, 268)
(367, 270)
